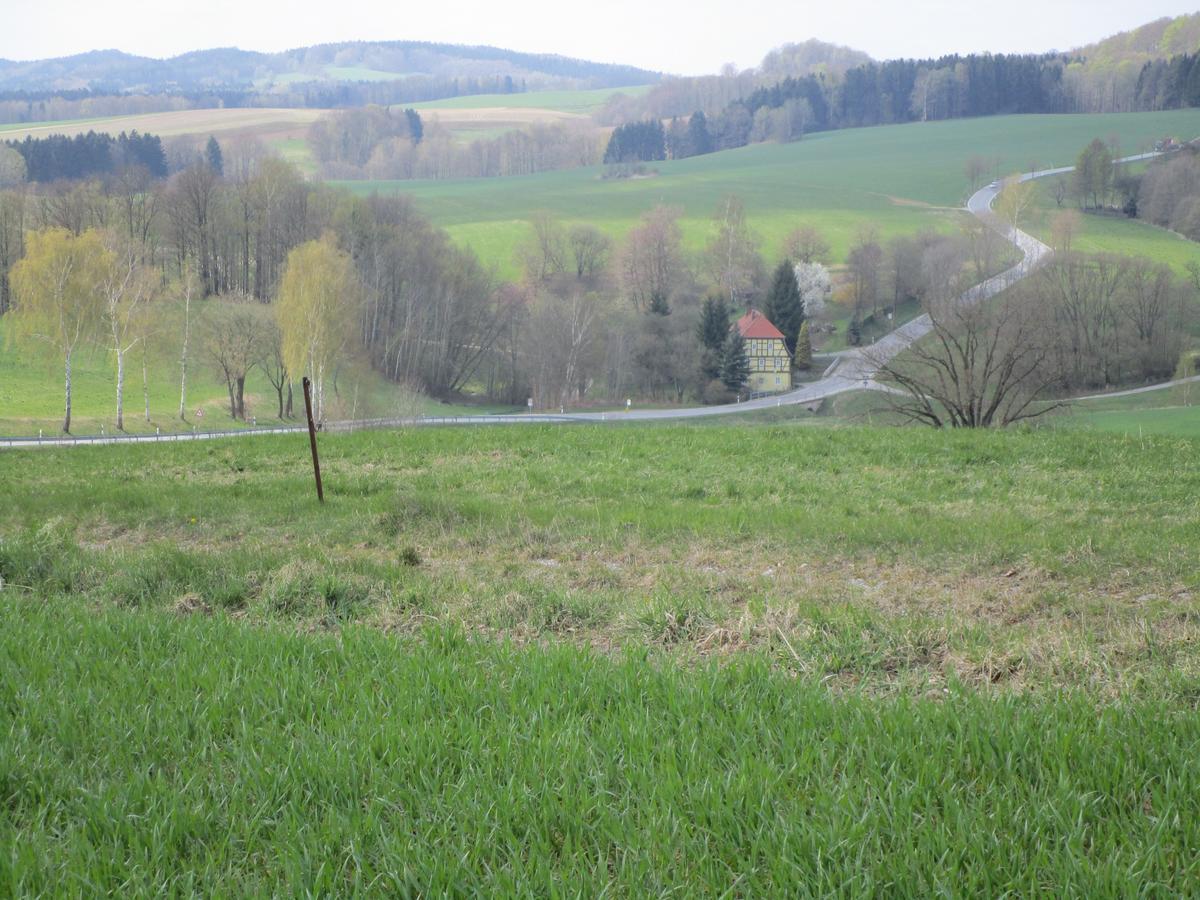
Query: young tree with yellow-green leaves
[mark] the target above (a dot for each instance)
(58, 295)
(317, 309)
(1014, 200)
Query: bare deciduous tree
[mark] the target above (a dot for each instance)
(732, 255)
(544, 254)
(651, 261)
(982, 365)
(866, 265)
(233, 341)
(974, 169)
(806, 245)
(590, 249)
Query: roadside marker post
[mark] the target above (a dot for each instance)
(312, 437)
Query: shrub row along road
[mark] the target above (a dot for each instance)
(854, 370)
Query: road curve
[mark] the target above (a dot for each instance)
(852, 370)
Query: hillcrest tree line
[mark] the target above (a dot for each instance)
(876, 93)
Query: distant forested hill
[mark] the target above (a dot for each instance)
(366, 61)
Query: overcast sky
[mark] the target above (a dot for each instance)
(682, 36)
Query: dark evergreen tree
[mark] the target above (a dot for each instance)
(213, 157)
(784, 306)
(416, 128)
(713, 332)
(735, 362)
(85, 155)
(854, 332)
(699, 140)
(714, 323)
(658, 304)
(637, 142)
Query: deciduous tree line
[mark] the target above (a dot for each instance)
(377, 144)
(226, 271)
(1081, 322)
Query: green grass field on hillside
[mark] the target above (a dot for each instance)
(640, 659)
(582, 102)
(1104, 233)
(32, 395)
(851, 545)
(900, 178)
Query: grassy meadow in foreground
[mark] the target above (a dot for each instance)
(145, 753)
(648, 660)
(883, 559)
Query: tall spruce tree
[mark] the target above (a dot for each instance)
(699, 139)
(213, 156)
(854, 332)
(714, 323)
(784, 305)
(713, 333)
(735, 362)
(658, 304)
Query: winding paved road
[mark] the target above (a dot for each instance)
(853, 370)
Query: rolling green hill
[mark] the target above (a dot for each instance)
(900, 178)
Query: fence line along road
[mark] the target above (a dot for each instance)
(852, 370)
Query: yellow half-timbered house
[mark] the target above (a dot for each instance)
(770, 364)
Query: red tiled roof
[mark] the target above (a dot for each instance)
(755, 325)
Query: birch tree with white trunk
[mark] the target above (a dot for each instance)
(128, 288)
(58, 301)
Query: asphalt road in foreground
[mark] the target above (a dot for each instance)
(853, 370)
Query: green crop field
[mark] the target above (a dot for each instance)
(582, 102)
(637, 659)
(899, 178)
